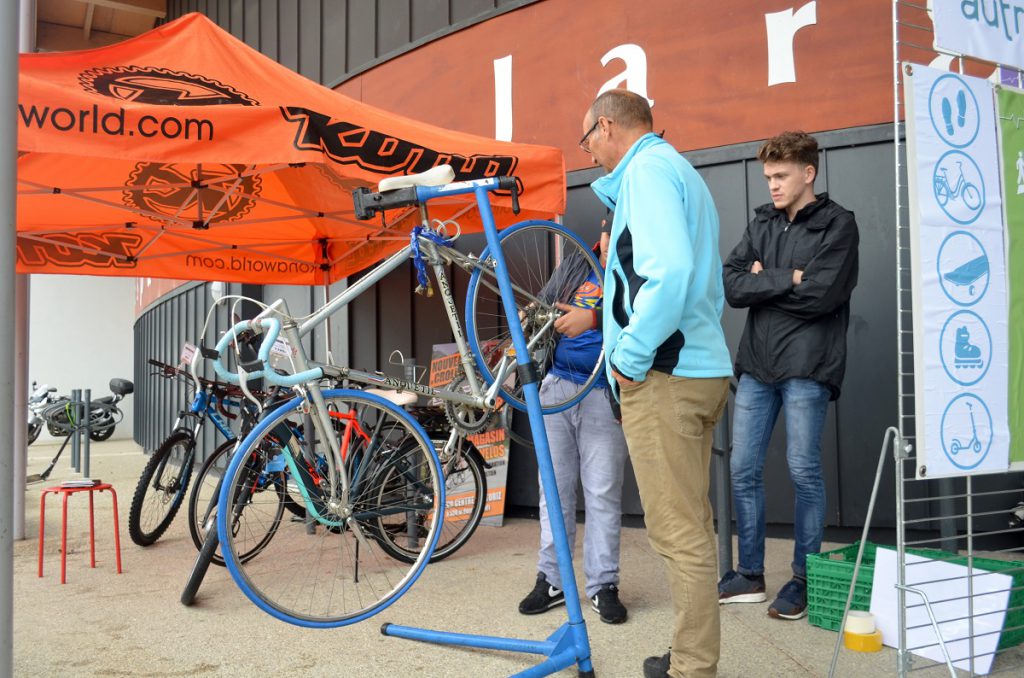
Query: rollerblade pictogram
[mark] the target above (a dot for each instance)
(965, 354)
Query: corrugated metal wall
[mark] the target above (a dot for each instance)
(329, 41)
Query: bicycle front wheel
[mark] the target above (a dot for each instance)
(161, 488)
(547, 264)
(330, 569)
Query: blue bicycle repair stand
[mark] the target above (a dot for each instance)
(569, 644)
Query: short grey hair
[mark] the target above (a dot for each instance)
(628, 109)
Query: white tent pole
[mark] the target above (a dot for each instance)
(22, 297)
(9, 26)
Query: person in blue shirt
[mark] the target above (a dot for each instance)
(666, 356)
(587, 443)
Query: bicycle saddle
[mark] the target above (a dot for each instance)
(121, 387)
(436, 176)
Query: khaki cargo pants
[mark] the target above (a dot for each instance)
(668, 422)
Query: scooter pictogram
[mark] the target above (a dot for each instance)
(974, 443)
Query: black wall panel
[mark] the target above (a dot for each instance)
(288, 20)
(331, 40)
(428, 17)
(310, 31)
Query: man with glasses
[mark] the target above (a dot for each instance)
(666, 355)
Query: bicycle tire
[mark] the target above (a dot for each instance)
(159, 494)
(465, 500)
(34, 429)
(330, 570)
(204, 494)
(203, 500)
(530, 249)
(199, 568)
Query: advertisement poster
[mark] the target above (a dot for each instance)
(959, 282)
(1010, 103)
(445, 367)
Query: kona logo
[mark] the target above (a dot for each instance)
(146, 85)
(97, 250)
(183, 191)
(347, 143)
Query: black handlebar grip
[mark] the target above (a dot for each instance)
(511, 184)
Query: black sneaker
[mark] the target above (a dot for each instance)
(542, 598)
(739, 588)
(657, 667)
(606, 603)
(792, 600)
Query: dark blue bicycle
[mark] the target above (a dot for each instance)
(165, 479)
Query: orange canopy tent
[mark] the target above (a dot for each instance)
(183, 153)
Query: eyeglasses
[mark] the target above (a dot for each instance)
(584, 144)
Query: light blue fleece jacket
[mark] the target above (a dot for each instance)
(663, 284)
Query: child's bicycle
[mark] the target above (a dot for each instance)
(378, 480)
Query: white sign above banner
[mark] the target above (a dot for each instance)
(959, 278)
(987, 29)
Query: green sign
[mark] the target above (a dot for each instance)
(1011, 127)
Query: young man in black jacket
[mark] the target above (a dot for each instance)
(795, 270)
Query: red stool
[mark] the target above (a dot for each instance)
(66, 491)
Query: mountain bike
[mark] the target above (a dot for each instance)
(381, 478)
(165, 478)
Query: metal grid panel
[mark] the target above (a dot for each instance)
(970, 516)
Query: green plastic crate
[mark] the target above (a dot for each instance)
(829, 575)
(828, 584)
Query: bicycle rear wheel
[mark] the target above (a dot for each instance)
(161, 488)
(330, 569)
(546, 264)
(465, 498)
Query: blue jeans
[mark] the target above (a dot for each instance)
(805, 404)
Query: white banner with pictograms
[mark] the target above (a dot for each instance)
(959, 274)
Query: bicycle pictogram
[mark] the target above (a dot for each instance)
(959, 187)
(962, 189)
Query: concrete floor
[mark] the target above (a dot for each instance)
(103, 624)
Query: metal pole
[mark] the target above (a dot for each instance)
(19, 447)
(723, 493)
(87, 431)
(22, 295)
(74, 418)
(9, 26)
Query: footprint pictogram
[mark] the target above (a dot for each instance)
(961, 109)
(947, 115)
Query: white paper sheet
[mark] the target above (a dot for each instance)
(945, 585)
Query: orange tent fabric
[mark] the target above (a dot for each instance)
(183, 153)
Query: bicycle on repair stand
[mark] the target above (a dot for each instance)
(379, 481)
